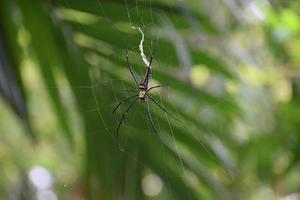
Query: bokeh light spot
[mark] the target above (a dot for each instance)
(152, 184)
(40, 178)
(46, 195)
(199, 75)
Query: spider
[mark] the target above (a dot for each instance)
(141, 96)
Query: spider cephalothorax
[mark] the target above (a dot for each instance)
(143, 94)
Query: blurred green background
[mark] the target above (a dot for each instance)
(230, 71)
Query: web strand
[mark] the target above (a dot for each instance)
(175, 144)
(141, 48)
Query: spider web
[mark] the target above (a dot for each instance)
(146, 61)
(140, 55)
(183, 55)
(185, 62)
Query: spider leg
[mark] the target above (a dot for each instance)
(161, 107)
(148, 73)
(123, 101)
(149, 69)
(130, 68)
(120, 123)
(150, 62)
(150, 118)
(152, 88)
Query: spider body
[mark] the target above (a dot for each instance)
(143, 92)
(142, 95)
